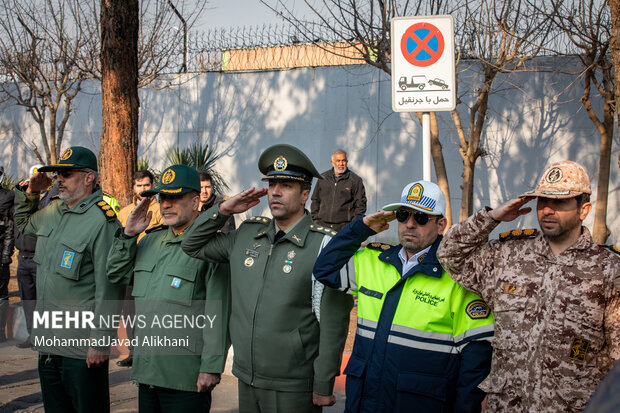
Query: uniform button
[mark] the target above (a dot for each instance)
(434, 269)
(214, 214)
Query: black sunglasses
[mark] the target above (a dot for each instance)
(66, 173)
(402, 216)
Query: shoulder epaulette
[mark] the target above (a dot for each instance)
(322, 229)
(518, 234)
(613, 249)
(156, 228)
(379, 246)
(258, 220)
(107, 210)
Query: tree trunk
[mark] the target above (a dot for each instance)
(120, 105)
(440, 165)
(467, 189)
(614, 46)
(600, 232)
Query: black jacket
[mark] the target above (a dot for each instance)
(216, 199)
(6, 224)
(338, 201)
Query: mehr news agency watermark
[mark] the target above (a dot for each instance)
(159, 327)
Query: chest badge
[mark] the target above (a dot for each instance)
(513, 290)
(67, 259)
(288, 263)
(287, 268)
(249, 261)
(578, 349)
(290, 255)
(176, 282)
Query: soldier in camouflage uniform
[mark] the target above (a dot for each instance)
(557, 313)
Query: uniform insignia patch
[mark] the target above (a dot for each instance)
(579, 349)
(296, 238)
(287, 268)
(176, 282)
(251, 253)
(290, 255)
(66, 154)
(280, 163)
(379, 246)
(513, 289)
(107, 210)
(249, 261)
(67, 259)
(421, 257)
(554, 175)
(477, 309)
(167, 177)
(518, 234)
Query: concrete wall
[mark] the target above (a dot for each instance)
(534, 119)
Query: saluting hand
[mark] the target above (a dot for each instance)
(511, 210)
(139, 218)
(379, 221)
(38, 183)
(242, 201)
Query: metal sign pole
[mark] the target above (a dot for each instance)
(426, 146)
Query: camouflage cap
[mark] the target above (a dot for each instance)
(286, 162)
(176, 180)
(565, 179)
(74, 157)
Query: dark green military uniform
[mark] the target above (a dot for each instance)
(288, 332)
(71, 253)
(169, 282)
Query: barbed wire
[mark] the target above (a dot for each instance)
(275, 46)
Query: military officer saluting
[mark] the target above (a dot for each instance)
(287, 331)
(74, 234)
(169, 282)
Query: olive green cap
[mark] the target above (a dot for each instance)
(74, 157)
(176, 180)
(286, 162)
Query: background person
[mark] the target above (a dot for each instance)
(422, 341)
(557, 313)
(208, 198)
(340, 196)
(6, 239)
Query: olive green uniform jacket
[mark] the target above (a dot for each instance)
(168, 282)
(274, 325)
(71, 253)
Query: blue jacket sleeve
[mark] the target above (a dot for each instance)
(475, 367)
(335, 255)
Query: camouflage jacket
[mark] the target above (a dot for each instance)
(557, 318)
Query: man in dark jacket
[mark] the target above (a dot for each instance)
(6, 240)
(340, 196)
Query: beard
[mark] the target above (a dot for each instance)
(561, 229)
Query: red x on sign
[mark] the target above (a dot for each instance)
(422, 44)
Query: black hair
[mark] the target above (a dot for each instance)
(143, 174)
